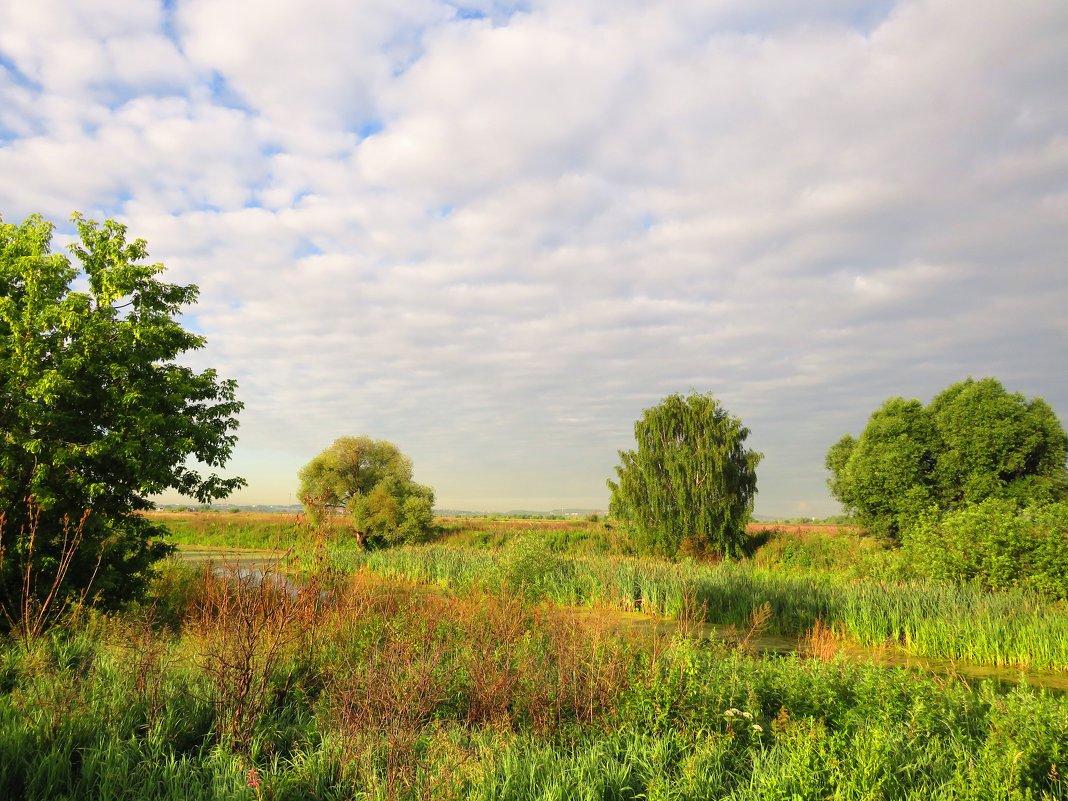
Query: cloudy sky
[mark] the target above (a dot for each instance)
(493, 232)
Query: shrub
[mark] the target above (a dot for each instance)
(530, 566)
(995, 543)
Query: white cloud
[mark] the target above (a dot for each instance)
(496, 240)
(306, 66)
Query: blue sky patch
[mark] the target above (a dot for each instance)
(17, 76)
(370, 128)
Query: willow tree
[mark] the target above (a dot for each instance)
(370, 481)
(692, 482)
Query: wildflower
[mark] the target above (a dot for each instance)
(758, 728)
(253, 778)
(730, 713)
(747, 715)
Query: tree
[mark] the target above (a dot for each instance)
(973, 441)
(883, 474)
(692, 481)
(96, 415)
(371, 481)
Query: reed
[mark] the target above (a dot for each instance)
(396, 693)
(1014, 628)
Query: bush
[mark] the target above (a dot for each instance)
(530, 566)
(995, 543)
(1049, 559)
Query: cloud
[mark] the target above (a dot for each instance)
(495, 232)
(306, 68)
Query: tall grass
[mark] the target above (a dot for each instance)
(428, 696)
(928, 619)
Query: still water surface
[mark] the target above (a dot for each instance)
(770, 645)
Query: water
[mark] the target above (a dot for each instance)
(774, 645)
(247, 559)
(258, 562)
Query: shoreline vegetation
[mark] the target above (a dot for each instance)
(832, 578)
(532, 660)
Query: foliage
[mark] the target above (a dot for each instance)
(396, 695)
(691, 480)
(996, 544)
(1015, 627)
(371, 480)
(973, 441)
(96, 415)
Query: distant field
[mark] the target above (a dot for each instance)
(800, 528)
(186, 521)
(514, 525)
(231, 529)
(283, 530)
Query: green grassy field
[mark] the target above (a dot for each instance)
(806, 577)
(232, 529)
(490, 665)
(354, 688)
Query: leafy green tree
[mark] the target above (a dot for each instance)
(994, 443)
(96, 415)
(371, 481)
(885, 473)
(692, 482)
(973, 441)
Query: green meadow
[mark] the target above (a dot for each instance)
(517, 659)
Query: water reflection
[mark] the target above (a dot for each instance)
(252, 563)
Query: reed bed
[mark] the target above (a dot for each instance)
(1015, 629)
(372, 693)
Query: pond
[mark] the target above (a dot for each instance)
(246, 561)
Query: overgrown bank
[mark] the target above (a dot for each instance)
(347, 690)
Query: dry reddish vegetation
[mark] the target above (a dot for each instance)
(799, 528)
(493, 525)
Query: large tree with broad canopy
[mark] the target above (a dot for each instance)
(96, 414)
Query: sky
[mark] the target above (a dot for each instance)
(494, 232)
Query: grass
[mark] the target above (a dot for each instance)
(354, 681)
(370, 691)
(1017, 628)
(809, 576)
(232, 530)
